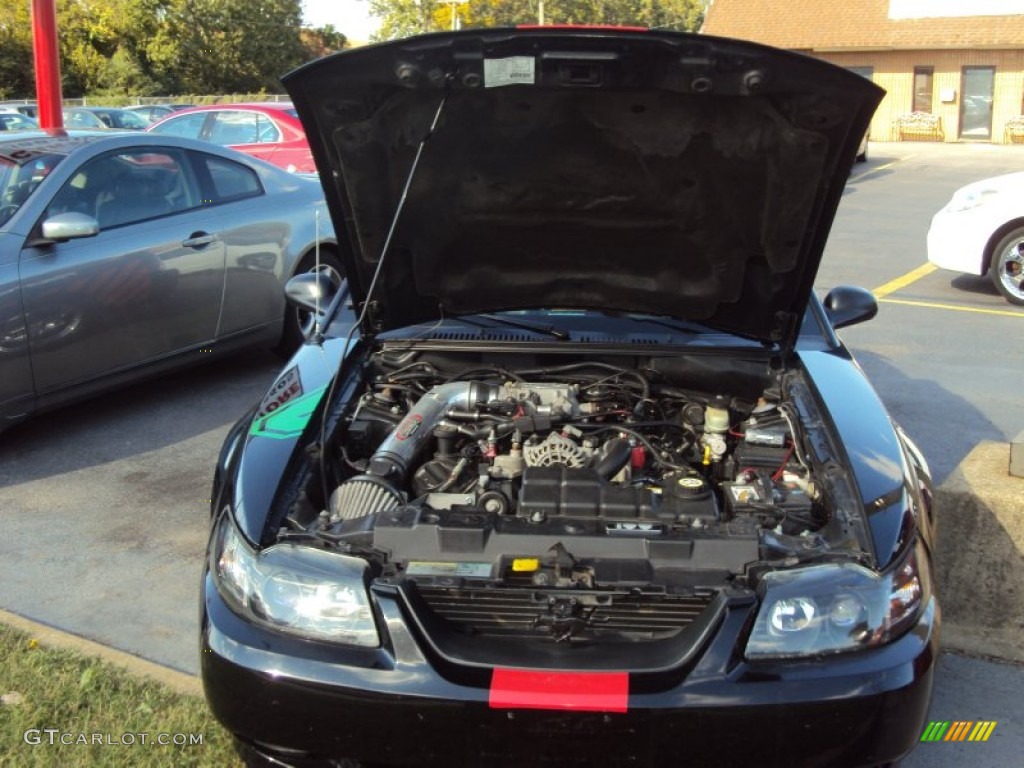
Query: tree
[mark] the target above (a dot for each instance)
(169, 46)
(217, 46)
(321, 41)
(17, 74)
(400, 18)
(87, 38)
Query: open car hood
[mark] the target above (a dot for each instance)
(680, 175)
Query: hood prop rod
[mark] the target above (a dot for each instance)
(347, 347)
(398, 208)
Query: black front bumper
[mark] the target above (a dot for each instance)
(306, 703)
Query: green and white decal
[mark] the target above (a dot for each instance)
(290, 419)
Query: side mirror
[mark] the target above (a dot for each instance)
(848, 305)
(70, 226)
(310, 291)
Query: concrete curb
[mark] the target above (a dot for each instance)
(55, 638)
(980, 557)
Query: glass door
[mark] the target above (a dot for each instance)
(976, 102)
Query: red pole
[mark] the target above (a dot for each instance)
(47, 58)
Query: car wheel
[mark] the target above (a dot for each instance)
(298, 323)
(1007, 270)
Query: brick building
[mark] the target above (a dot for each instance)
(953, 69)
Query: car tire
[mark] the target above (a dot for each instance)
(1007, 269)
(297, 322)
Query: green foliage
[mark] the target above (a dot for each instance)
(400, 18)
(17, 76)
(110, 47)
(122, 76)
(87, 35)
(225, 45)
(321, 41)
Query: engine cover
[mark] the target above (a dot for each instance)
(563, 491)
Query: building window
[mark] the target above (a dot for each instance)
(866, 72)
(923, 77)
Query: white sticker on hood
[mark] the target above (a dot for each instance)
(515, 70)
(287, 386)
(429, 568)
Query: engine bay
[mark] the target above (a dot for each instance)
(573, 474)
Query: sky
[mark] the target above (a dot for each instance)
(350, 17)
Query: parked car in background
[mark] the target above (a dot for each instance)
(578, 472)
(93, 118)
(27, 108)
(268, 130)
(122, 255)
(981, 231)
(153, 112)
(15, 121)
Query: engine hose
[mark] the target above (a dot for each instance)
(394, 458)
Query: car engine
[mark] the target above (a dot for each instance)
(543, 481)
(538, 450)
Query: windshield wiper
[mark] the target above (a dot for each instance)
(551, 330)
(683, 326)
(686, 326)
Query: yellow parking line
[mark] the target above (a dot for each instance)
(955, 307)
(877, 168)
(904, 280)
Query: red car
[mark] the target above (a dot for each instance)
(268, 130)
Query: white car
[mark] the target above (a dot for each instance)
(981, 230)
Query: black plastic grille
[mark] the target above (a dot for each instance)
(531, 612)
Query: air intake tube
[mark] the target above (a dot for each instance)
(379, 489)
(394, 458)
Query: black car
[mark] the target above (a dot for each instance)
(576, 471)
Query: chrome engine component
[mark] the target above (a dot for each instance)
(394, 458)
(554, 451)
(555, 400)
(361, 496)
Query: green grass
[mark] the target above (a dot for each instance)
(81, 696)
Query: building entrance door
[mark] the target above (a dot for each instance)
(976, 102)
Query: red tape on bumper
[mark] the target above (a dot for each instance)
(596, 692)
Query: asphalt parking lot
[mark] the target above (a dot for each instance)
(105, 504)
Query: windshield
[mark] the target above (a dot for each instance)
(20, 174)
(14, 121)
(126, 119)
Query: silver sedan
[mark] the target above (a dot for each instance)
(124, 255)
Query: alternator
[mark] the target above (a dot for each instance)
(555, 451)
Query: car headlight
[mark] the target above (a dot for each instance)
(294, 588)
(836, 607)
(969, 197)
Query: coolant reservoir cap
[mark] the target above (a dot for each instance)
(689, 486)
